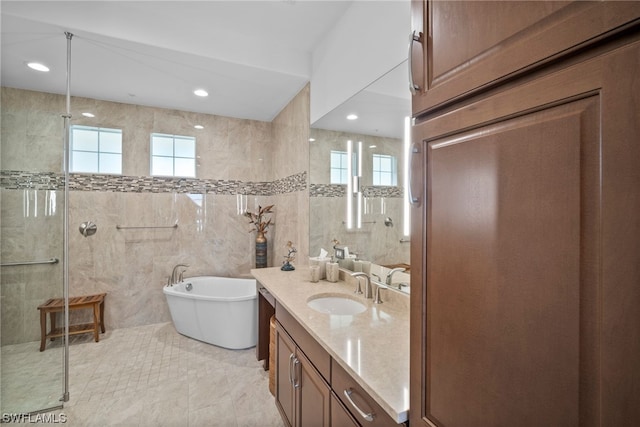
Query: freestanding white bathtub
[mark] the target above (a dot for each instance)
(217, 310)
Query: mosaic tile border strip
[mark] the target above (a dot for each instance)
(327, 190)
(378, 191)
(18, 180)
(21, 180)
(337, 190)
(290, 184)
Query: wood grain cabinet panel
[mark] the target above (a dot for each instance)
(526, 252)
(340, 416)
(504, 282)
(314, 402)
(302, 394)
(361, 403)
(467, 46)
(285, 392)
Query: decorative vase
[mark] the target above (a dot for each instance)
(261, 250)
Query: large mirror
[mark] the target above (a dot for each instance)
(357, 176)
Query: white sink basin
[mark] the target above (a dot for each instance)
(336, 304)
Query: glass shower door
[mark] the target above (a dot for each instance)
(32, 236)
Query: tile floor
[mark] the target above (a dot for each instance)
(151, 376)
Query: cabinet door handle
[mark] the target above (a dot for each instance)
(367, 416)
(291, 357)
(413, 200)
(296, 376)
(412, 86)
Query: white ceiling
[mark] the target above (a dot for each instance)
(252, 57)
(381, 107)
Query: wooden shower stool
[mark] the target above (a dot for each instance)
(56, 305)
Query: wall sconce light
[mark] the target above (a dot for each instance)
(354, 175)
(349, 185)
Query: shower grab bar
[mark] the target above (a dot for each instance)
(122, 227)
(364, 222)
(49, 261)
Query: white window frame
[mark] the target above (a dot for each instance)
(173, 157)
(99, 130)
(342, 167)
(378, 172)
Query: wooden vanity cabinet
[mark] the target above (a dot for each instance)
(310, 385)
(266, 309)
(340, 416)
(361, 404)
(302, 394)
(526, 238)
(286, 392)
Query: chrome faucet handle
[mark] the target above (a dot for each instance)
(358, 275)
(376, 299)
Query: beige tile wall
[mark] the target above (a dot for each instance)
(291, 156)
(133, 265)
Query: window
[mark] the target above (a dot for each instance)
(384, 170)
(338, 167)
(96, 150)
(173, 155)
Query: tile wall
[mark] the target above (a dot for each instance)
(241, 164)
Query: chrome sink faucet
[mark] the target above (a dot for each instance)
(367, 284)
(387, 280)
(176, 278)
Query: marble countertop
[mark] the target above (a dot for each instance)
(373, 346)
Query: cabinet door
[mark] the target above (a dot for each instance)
(313, 405)
(467, 46)
(340, 417)
(524, 310)
(285, 356)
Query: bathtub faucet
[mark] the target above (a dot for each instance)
(176, 278)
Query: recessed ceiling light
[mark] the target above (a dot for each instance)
(352, 117)
(199, 127)
(201, 92)
(372, 146)
(38, 66)
(88, 115)
(311, 139)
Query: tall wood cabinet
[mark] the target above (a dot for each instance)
(525, 303)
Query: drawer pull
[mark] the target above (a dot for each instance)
(369, 416)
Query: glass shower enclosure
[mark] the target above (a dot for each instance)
(32, 234)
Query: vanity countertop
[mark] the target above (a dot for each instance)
(373, 346)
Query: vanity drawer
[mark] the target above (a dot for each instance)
(342, 382)
(309, 346)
